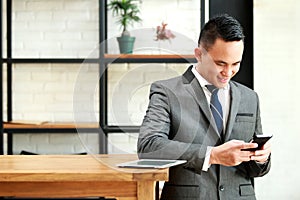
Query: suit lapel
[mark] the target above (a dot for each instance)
(235, 101)
(194, 88)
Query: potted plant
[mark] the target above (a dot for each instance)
(127, 11)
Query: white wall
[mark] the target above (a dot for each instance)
(276, 79)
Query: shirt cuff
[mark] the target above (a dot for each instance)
(206, 164)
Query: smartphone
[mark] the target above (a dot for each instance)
(260, 140)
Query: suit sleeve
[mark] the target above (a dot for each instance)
(155, 140)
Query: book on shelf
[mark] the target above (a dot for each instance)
(30, 122)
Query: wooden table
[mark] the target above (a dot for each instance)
(76, 176)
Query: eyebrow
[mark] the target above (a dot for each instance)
(223, 62)
(220, 61)
(237, 62)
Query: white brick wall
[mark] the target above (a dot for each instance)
(176, 13)
(54, 28)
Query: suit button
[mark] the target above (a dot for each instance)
(221, 188)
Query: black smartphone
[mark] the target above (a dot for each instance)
(260, 140)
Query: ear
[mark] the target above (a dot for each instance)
(198, 54)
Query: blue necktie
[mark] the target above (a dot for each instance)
(216, 107)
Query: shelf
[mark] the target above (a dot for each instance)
(147, 58)
(50, 60)
(114, 58)
(10, 125)
(54, 127)
(66, 127)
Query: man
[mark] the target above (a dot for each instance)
(182, 122)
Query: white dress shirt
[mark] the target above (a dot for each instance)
(224, 98)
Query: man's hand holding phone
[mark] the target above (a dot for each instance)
(234, 152)
(262, 152)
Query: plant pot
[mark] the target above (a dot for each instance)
(126, 44)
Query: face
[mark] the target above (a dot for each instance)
(221, 62)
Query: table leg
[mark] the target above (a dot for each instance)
(146, 190)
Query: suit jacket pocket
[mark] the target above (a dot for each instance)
(246, 190)
(245, 117)
(172, 191)
(245, 114)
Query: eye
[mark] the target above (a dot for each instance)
(236, 64)
(221, 64)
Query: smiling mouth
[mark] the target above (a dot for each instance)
(224, 80)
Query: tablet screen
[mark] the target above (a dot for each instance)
(151, 163)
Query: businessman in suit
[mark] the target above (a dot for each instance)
(180, 122)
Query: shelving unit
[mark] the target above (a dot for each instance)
(8, 125)
(102, 128)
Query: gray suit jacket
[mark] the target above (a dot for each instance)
(178, 125)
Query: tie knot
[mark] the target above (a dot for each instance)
(212, 88)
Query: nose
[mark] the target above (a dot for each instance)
(227, 71)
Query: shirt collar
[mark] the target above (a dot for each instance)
(203, 82)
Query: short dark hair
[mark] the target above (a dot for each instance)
(222, 26)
